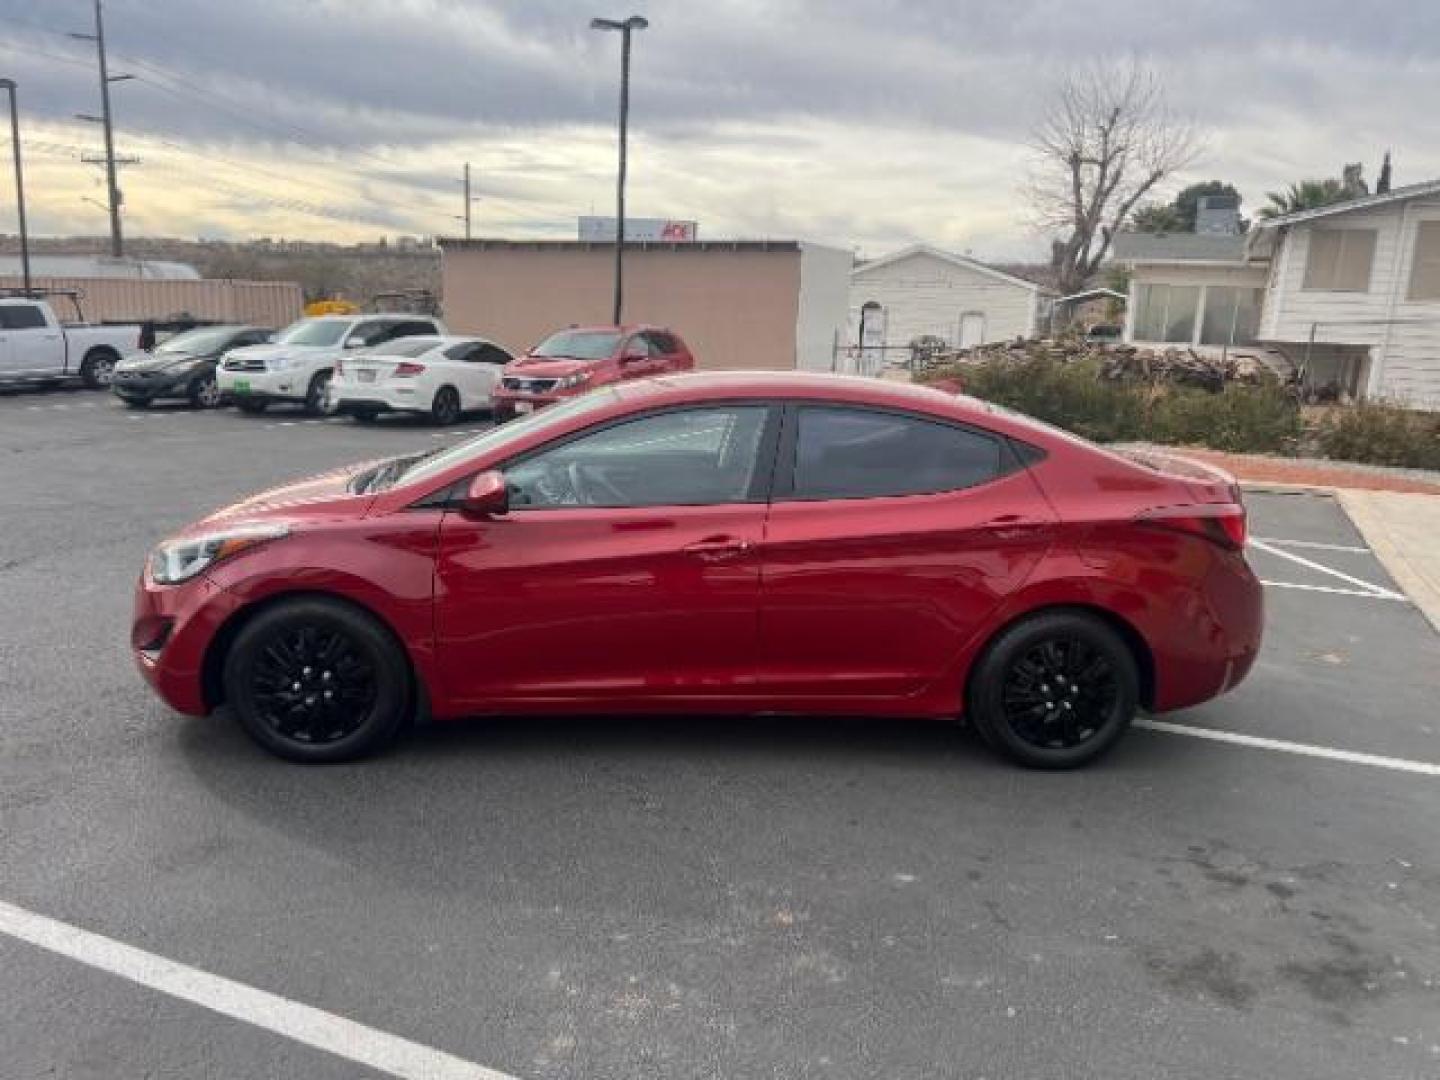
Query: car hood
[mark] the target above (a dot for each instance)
(265, 352)
(545, 367)
(314, 497)
(157, 361)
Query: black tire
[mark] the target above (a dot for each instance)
(323, 647)
(136, 402)
(1054, 691)
(97, 370)
(317, 395)
(251, 406)
(365, 416)
(204, 392)
(445, 409)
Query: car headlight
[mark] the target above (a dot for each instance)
(278, 363)
(183, 364)
(180, 560)
(569, 382)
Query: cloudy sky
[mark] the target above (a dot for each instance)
(865, 123)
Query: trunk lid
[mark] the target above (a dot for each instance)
(1204, 482)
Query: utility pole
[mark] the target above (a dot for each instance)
(625, 29)
(117, 242)
(467, 200)
(9, 84)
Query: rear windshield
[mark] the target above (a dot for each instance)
(578, 344)
(204, 340)
(413, 346)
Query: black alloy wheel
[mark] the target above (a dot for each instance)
(317, 680)
(446, 408)
(1055, 691)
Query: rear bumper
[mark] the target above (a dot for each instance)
(1220, 640)
(351, 397)
(171, 632)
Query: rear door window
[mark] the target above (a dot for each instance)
(849, 453)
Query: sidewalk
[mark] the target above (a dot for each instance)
(1396, 511)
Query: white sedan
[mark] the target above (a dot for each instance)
(442, 377)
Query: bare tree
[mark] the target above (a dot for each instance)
(1108, 138)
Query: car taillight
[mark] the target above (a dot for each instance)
(408, 369)
(1221, 523)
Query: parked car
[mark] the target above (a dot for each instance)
(182, 366)
(297, 366)
(572, 361)
(35, 347)
(441, 377)
(717, 543)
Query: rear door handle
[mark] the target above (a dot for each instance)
(714, 548)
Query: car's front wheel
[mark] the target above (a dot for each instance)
(1054, 691)
(318, 399)
(251, 406)
(205, 392)
(317, 680)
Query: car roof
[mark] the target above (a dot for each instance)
(611, 328)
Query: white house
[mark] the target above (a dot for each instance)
(923, 291)
(1349, 292)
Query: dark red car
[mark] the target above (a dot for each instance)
(719, 543)
(570, 362)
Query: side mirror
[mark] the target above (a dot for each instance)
(487, 496)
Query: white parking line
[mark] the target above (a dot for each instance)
(1352, 757)
(346, 1039)
(1313, 545)
(1366, 593)
(1371, 589)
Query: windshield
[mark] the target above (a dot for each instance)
(578, 344)
(416, 346)
(199, 341)
(313, 332)
(498, 436)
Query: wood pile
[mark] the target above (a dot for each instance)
(1131, 363)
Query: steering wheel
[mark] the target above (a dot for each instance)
(583, 487)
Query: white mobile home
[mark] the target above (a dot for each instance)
(922, 291)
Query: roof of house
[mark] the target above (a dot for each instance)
(99, 266)
(1363, 202)
(947, 256)
(449, 243)
(1138, 247)
(1091, 294)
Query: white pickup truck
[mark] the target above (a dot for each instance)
(35, 347)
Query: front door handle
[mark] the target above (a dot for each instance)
(715, 548)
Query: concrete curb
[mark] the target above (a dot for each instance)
(1403, 529)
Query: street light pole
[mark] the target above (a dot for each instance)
(9, 84)
(626, 28)
(467, 200)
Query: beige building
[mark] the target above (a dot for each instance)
(757, 304)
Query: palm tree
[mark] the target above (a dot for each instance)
(1306, 195)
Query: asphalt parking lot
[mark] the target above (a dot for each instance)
(686, 897)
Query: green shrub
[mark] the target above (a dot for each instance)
(1261, 419)
(1381, 434)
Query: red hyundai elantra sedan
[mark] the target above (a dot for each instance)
(719, 543)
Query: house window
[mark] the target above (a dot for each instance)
(1339, 260)
(1166, 312)
(1425, 272)
(1232, 315)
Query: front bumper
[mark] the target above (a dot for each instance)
(148, 385)
(507, 404)
(263, 385)
(170, 634)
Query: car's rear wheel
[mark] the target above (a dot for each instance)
(251, 406)
(205, 392)
(136, 402)
(366, 416)
(316, 680)
(318, 401)
(446, 407)
(1054, 691)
